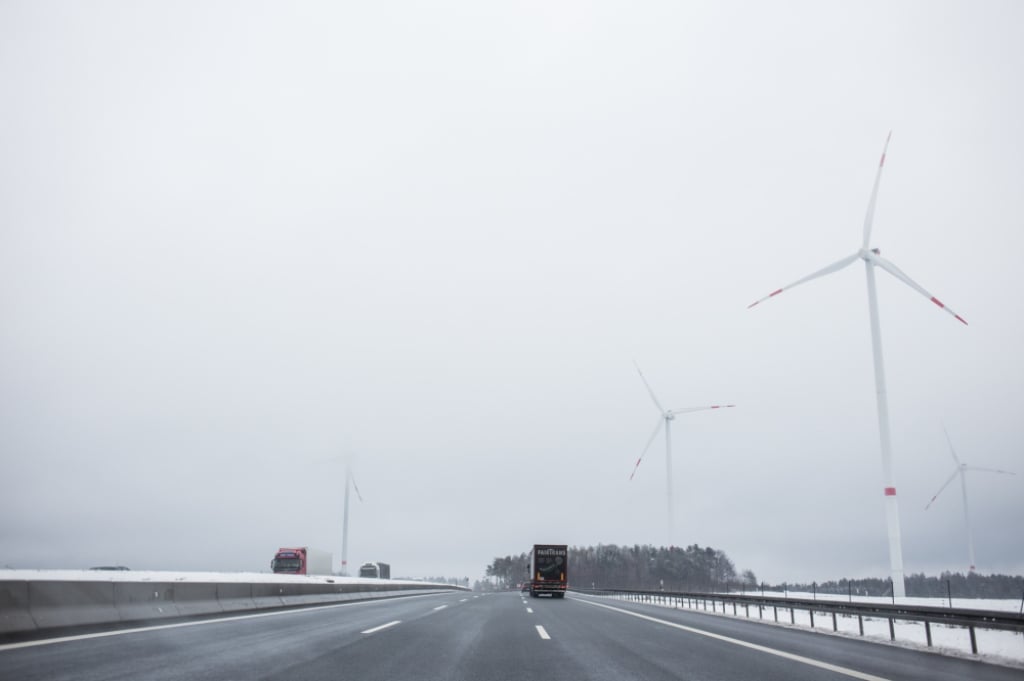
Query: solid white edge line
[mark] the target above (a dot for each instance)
(383, 626)
(196, 623)
(753, 646)
(543, 633)
(440, 607)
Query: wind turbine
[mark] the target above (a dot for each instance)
(665, 418)
(961, 470)
(872, 258)
(350, 482)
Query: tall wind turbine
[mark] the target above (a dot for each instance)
(961, 470)
(872, 258)
(665, 418)
(350, 482)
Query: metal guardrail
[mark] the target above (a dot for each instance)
(927, 615)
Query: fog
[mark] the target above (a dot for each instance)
(245, 245)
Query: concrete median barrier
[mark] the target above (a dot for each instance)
(14, 608)
(144, 601)
(198, 598)
(38, 605)
(69, 604)
(232, 596)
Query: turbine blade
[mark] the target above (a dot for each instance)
(988, 470)
(901, 275)
(944, 486)
(870, 217)
(951, 450)
(834, 267)
(657, 428)
(687, 410)
(648, 385)
(356, 487)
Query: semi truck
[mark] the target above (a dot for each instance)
(375, 570)
(301, 561)
(549, 570)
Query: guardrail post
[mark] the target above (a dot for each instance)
(734, 609)
(792, 616)
(811, 611)
(974, 640)
(892, 630)
(928, 632)
(835, 626)
(860, 624)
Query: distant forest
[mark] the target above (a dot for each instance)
(632, 567)
(704, 569)
(954, 584)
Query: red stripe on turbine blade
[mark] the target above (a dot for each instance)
(961, 319)
(938, 302)
(890, 491)
(774, 293)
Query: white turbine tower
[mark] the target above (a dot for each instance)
(665, 418)
(961, 470)
(350, 482)
(872, 258)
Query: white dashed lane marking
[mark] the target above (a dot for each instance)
(383, 626)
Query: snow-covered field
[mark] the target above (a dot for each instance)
(997, 647)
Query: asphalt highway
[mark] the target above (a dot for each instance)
(473, 637)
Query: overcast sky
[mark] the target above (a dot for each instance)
(243, 242)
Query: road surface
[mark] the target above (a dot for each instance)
(473, 637)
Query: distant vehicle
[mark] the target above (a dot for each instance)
(109, 567)
(375, 570)
(301, 561)
(549, 570)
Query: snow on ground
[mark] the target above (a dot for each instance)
(996, 647)
(159, 576)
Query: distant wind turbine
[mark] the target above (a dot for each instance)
(665, 418)
(872, 258)
(350, 482)
(961, 470)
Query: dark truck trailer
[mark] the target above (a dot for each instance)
(375, 570)
(549, 570)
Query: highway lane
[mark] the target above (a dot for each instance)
(254, 646)
(703, 643)
(497, 637)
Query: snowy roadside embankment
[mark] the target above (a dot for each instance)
(37, 600)
(997, 647)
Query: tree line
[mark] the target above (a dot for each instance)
(609, 566)
(947, 584)
(705, 569)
